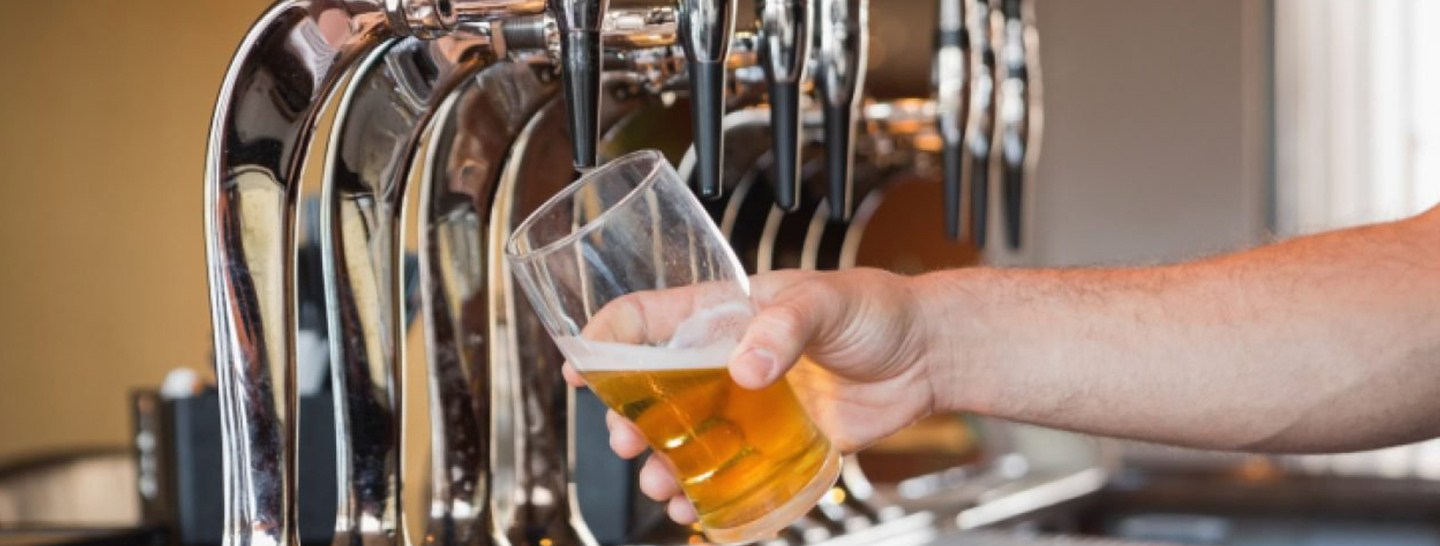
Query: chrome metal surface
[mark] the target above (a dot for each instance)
(952, 99)
(281, 76)
(472, 135)
(529, 391)
(842, 45)
(284, 72)
(706, 28)
(980, 132)
(784, 52)
(380, 124)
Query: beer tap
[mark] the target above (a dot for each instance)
(784, 51)
(284, 72)
(378, 128)
(842, 43)
(981, 132)
(705, 31)
(1018, 115)
(952, 88)
(469, 141)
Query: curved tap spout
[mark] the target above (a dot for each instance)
(472, 134)
(1018, 119)
(952, 101)
(706, 27)
(980, 136)
(540, 508)
(380, 122)
(283, 73)
(842, 43)
(784, 43)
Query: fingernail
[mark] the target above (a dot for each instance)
(755, 367)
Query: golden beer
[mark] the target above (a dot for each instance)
(745, 458)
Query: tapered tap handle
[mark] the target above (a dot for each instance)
(841, 28)
(951, 82)
(579, 23)
(839, 159)
(706, 27)
(982, 125)
(784, 50)
(1017, 117)
(785, 135)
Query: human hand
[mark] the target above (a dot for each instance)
(850, 340)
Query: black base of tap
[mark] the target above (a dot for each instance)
(707, 106)
(953, 159)
(979, 198)
(785, 134)
(839, 152)
(1014, 192)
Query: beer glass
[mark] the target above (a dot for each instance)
(641, 293)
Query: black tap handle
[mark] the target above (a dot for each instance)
(704, 29)
(1014, 197)
(581, 56)
(581, 79)
(952, 169)
(979, 197)
(785, 132)
(839, 158)
(951, 81)
(707, 108)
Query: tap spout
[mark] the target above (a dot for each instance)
(470, 137)
(284, 71)
(706, 28)
(842, 43)
(381, 120)
(784, 51)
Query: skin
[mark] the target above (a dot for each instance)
(1319, 344)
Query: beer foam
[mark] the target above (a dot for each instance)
(703, 341)
(603, 356)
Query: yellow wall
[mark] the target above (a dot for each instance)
(104, 112)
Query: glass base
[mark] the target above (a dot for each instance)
(772, 523)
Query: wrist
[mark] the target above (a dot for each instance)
(948, 314)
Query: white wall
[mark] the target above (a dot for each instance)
(1155, 130)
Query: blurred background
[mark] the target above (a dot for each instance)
(1173, 129)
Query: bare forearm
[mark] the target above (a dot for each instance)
(1324, 343)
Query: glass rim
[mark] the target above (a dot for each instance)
(570, 190)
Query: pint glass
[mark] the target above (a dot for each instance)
(642, 294)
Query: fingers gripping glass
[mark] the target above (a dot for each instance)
(636, 285)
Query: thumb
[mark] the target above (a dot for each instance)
(795, 318)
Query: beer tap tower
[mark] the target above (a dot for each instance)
(464, 94)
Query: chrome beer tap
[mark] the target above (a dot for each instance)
(783, 37)
(284, 72)
(705, 30)
(1019, 119)
(502, 144)
(980, 135)
(473, 133)
(952, 100)
(842, 44)
(379, 124)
